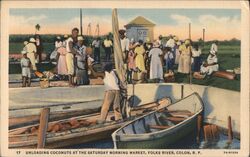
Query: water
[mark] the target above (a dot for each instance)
(188, 142)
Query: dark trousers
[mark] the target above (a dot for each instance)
(97, 54)
(108, 53)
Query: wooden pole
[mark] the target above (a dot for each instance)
(189, 31)
(190, 66)
(44, 118)
(199, 125)
(81, 20)
(230, 132)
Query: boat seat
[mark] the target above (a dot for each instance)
(161, 127)
(175, 119)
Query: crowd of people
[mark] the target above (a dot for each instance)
(154, 60)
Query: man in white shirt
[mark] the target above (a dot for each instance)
(124, 44)
(96, 45)
(112, 94)
(170, 43)
(31, 52)
(107, 44)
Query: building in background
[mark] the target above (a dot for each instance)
(139, 29)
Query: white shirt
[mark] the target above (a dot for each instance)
(196, 53)
(214, 48)
(170, 43)
(212, 59)
(107, 43)
(110, 81)
(58, 44)
(125, 44)
(96, 43)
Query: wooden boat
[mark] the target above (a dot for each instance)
(76, 130)
(160, 128)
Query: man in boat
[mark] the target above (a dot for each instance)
(112, 94)
(70, 43)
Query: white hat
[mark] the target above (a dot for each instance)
(25, 42)
(156, 44)
(23, 52)
(58, 37)
(65, 36)
(178, 43)
(32, 40)
(212, 52)
(80, 38)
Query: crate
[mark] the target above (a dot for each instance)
(44, 83)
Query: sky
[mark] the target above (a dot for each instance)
(220, 24)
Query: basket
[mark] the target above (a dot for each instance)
(44, 83)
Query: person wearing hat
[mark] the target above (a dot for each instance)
(58, 42)
(81, 63)
(156, 69)
(71, 51)
(214, 47)
(112, 94)
(124, 44)
(147, 46)
(185, 57)
(26, 69)
(31, 52)
(96, 44)
(211, 64)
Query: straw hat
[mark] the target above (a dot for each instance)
(176, 38)
(65, 36)
(32, 40)
(187, 42)
(156, 44)
(25, 42)
(23, 52)
(80, 38)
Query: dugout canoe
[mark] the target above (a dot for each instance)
(77, 130)
(160, 128)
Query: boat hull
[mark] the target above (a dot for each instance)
(163, 141)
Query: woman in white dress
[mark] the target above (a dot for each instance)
(156, 69)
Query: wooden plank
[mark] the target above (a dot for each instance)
(175, 119)
(44, 118)
(159, 126)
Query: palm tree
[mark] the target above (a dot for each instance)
(37, 27)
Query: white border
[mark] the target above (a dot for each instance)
(6, 5)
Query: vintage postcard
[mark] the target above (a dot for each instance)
(116, 78)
